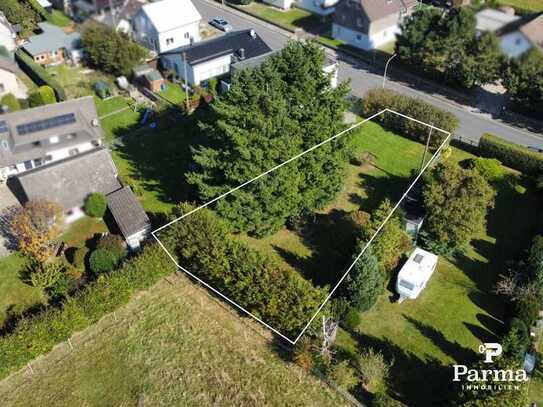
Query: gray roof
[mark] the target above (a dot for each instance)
(350, 13)
(127, 212)
(493, 20)
(71, 180)
(52, 38)
(18, 144)
(7, 64)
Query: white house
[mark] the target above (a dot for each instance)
(368, 24)
(517, 34)
(33, 137)
(213, 58)
(320, 7)
(7, 34)
(167, 25)
(9, 82)
(415, 274)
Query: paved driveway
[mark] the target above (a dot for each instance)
(8, 203)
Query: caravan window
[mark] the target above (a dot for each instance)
(407, 284)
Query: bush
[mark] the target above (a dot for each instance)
(490, 168)
(10, 101)
(80, 257)
(512, 155)
(95, 205)
(45, 95)
(352, 319)
(39, 75)
(379, 99)
(114, 244)
(44, 275)
(344, 375)
(527, 310)
(382, 399)
(102, 261)
(134, 186)
(374, 369)
(303, 353)
(36, 335)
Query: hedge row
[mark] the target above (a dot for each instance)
(254, 280)
(511, 155)
(36, 335)
(379, 99)
(39, 75)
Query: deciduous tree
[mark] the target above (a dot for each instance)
(36, 226)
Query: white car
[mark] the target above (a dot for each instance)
(221, 24)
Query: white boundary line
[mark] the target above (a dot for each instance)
(425, 167)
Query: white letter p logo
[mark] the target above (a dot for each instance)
(490, 350)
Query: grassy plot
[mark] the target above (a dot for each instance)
(78, 81)
(174, 346)
(15, 295)
(457, 311)
(291, 19)
(531, 5)
(173, 93)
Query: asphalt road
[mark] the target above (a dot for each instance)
(472, 123)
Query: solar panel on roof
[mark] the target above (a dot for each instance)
(45, 124)
(418, 258)
(3, 126)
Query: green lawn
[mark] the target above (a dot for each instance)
(173, 345)
(78, 81)
(82, 230)
(110, 105)
(15, 296)
(173, 93)
(291, 19)
(57, 17)
(531, 5)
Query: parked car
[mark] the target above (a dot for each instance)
(221, 24)
(536, 149)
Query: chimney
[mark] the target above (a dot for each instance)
(241, 53)
(252, 33)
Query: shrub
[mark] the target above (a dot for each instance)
(43, 96)
(344, 375)
(512, 155)
(527, 309)
(114, 244)
(10, 101)
(44, 275)
(102, 261)
(95, 205)
(38, 74)
(374, 369)
(490, 168)
(379, 99)
(33, 336)
(303, 353)
(382, 399)
(80, 257)
(352, 319)
(134, 186)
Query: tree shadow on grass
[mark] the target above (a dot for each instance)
(377, 189)
(331, 237)
(413, 380)
(159, 157)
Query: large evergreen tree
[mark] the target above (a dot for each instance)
(270, 114)
(366, 281)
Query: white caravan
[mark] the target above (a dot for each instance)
(415, 273)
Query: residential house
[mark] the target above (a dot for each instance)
(46, 4)
(129, 215)
(53, 45)
(330, 67)
(368, 24)
(8, 35)
(69, 181)
(213, 58)
(86, 8)
(9, 82)
(124, 17)
(167, 25)
(320, 7)
(517, 34)
(33, 137)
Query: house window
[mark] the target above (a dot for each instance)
(187, 35)
(358, 37)
(169, 41)
(28, 165)
(37, 162)
(73, 151)
(36, 144)
(48, 158)
(70, 136)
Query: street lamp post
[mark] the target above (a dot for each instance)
(386, 68)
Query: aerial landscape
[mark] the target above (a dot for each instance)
(272, 202)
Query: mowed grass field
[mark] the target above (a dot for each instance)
(532, 5)
(173, 346)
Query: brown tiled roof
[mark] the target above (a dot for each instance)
(534, 31)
